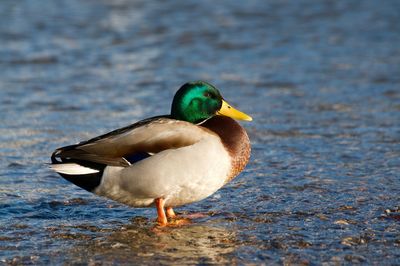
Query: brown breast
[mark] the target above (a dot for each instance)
(235, 140)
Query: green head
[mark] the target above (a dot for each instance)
(196, 101)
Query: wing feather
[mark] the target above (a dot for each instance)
(152, 135)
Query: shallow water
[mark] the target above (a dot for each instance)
(321, 80)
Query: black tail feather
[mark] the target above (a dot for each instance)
(86, 181)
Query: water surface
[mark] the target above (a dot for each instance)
(321, 80)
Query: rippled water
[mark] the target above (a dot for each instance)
(320, 78)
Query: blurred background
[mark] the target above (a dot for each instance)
(320, 78)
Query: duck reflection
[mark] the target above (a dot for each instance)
(141, 242)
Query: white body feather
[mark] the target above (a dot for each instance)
(180, 176)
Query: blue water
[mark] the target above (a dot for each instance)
(320, 78)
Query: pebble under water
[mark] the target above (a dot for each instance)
(320, 78)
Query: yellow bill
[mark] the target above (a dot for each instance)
(228, 110)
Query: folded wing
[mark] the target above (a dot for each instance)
(150, 136)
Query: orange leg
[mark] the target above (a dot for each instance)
(170, 213)
(162, 218)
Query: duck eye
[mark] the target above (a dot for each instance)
(207, 94)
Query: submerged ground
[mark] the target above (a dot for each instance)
(320, 78)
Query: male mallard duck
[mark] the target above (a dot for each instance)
(166, 161)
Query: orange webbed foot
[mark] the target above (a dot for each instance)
(168, 217)
(170, 213)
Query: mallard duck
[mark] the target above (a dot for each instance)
(164, 161)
